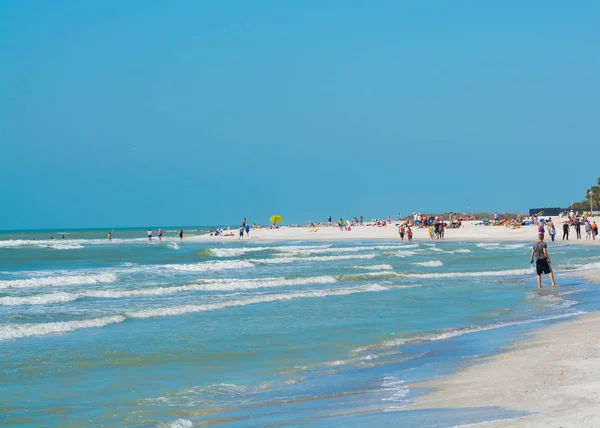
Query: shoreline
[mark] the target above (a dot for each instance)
(553, 372)
(469, 232)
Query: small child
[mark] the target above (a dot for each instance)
(409, 234)
(241, 232)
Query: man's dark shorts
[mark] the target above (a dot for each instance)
(542, 266)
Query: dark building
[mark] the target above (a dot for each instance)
(547, 211)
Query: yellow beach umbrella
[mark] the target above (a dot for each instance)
(275, 219)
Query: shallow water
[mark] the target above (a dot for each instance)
(129, 333)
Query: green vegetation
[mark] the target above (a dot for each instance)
(584, 205)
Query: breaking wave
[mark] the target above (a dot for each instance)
(180, 310)
(59, 281)
(431, 263)
(15, 331)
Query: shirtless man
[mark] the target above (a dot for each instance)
(542, 260)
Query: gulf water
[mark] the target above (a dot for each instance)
(244, 334)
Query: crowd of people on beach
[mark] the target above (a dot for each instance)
(573, 220)
(435, 224)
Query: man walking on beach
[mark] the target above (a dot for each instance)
(565, 231)
(542, 260)
(577, 225)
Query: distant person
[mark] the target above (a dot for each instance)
(565, 231)
(409, 234)
(401, 232)
(588, 230)
(244, 222)
(594, 230)
(341, 224)
(181, 234)
(149, 235)
(63, 236)
(542, 260)
(160, 234)
(109, 236)
(577, 225)
(241, 232)
(552, 232)
(541, 228)
(247, 230)
(329, 221)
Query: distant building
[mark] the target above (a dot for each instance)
(547, 211)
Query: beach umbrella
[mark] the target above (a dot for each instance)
(276, 219)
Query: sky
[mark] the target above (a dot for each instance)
(148, 113)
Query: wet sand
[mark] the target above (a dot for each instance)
(555, 374)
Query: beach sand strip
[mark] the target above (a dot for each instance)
(554, 373)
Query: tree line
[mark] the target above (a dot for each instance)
(592, 200)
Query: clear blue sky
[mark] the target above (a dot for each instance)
(301, 108)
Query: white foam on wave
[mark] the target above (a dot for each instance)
(63, 246)
(430, 263)
(588, 266)
(173, 245)
(462, 250)
(498, 246)
(235, 252)
(510, 272)
(59, 281)
(554, 301)
(281, 260)
(374, 267)
(403, 253)
(396, 389)
(40, 299)
(335, 250)
(450, 333)
(185, 309)
(178, 423)
(15, 331)
(73, 244)
(208, 266)
(210, 285)
(256, 283)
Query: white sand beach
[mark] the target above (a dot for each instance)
(555, 374)
(469, 231)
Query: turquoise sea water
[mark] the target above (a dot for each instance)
(243, 334)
